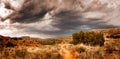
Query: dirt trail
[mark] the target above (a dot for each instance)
(66, 53)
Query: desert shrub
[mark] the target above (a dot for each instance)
(80, 49)
(119, 50)
(109, 49)
(21, 53)
(88, 38)
(50, 55)
(9, 44)
(114, 36)
(49, 41)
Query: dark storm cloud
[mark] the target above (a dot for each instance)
(69, 22)
(32, 11)
(35, 10)
(50, 17)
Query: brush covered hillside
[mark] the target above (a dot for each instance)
(95, 44)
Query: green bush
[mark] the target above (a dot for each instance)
(114, 36)
(81, 49)
(49, 41)
(88, 38)
(109, 49)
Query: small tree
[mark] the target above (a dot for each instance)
(89, 38)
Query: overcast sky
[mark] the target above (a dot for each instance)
(51, 18)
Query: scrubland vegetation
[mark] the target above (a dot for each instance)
(88, 38)
(104, 44)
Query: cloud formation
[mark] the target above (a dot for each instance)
(50, 18)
